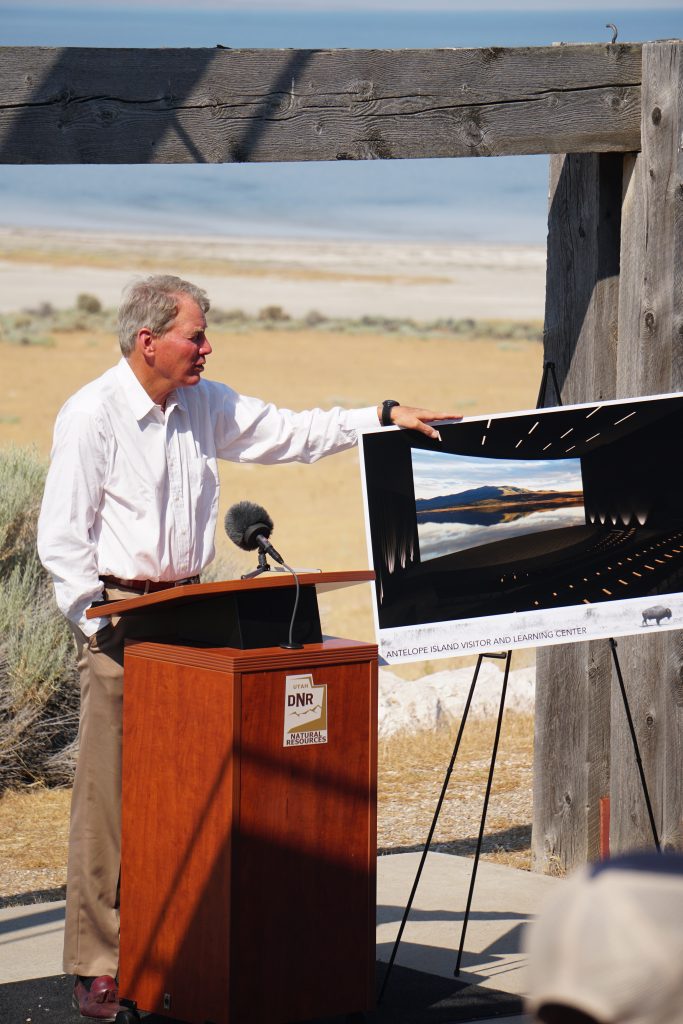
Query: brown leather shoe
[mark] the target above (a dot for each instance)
(97, 998)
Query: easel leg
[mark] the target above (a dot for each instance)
(437, 812)
(548, 370)
(629, 719)
(489, 783)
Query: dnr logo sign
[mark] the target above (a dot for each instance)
(305, 712)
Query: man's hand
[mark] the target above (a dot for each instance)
(418, 419)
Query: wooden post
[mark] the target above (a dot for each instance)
(571, 749)
(650, 360)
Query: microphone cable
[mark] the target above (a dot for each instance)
(291, 645)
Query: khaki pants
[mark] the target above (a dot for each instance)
(91, 934)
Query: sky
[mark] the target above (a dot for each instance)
(437, 473)
(354, 5)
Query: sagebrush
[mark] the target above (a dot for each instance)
(38, 683)
(40, 325)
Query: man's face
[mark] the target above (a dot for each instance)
(180, 354)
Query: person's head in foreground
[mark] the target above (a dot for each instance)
(608, 947)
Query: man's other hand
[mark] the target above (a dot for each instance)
(418, 419)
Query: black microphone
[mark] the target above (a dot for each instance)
(249, 526)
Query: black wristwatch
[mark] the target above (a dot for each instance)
(387, 405)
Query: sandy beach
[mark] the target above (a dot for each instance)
(421, 281)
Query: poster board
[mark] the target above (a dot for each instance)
(526, 529)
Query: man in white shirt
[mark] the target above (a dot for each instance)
(130, 505)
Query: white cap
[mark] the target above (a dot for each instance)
(610, 942)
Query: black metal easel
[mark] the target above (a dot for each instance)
(437, 812)
(548, 372)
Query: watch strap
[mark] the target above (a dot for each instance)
(387, 405)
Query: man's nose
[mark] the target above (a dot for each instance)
(205, 348)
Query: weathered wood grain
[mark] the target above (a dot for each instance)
(83, 105)
(571, 746)
(582, 278)
(650, 361)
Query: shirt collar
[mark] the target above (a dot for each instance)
(177, 400)
(139, 401)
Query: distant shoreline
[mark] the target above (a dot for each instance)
(535, 503)
(485, 253)
(424, 281)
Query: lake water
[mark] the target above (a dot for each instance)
(500, 200)
(447, 538)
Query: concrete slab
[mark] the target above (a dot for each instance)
(504, 900)
(31, 941)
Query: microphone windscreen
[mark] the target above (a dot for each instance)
(244, 522)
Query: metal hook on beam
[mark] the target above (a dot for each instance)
(615, 31)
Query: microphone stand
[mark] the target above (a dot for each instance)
(263, 566)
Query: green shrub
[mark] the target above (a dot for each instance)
(38, 688)
(29, 327)
(22, 476)
(276, 314)
(87, 303)
(227, 316)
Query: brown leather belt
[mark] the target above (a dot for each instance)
(146, 586)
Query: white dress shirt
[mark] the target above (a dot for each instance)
(132, 490)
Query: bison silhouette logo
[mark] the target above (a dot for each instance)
(657, 612)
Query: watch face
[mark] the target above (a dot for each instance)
(387, 405)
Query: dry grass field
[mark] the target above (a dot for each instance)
(412, 768)
(318, 523)
(34, 822)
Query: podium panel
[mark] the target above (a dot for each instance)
(248, 877)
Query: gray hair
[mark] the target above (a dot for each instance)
(152, 302)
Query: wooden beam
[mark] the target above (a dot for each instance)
(650, 361)
(571, 746)
(82, 105)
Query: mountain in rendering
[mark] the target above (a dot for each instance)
(477, 496)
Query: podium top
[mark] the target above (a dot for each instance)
(322, 581)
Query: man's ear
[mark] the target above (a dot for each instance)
(146, 341)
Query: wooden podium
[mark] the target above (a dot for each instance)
(248, 872)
